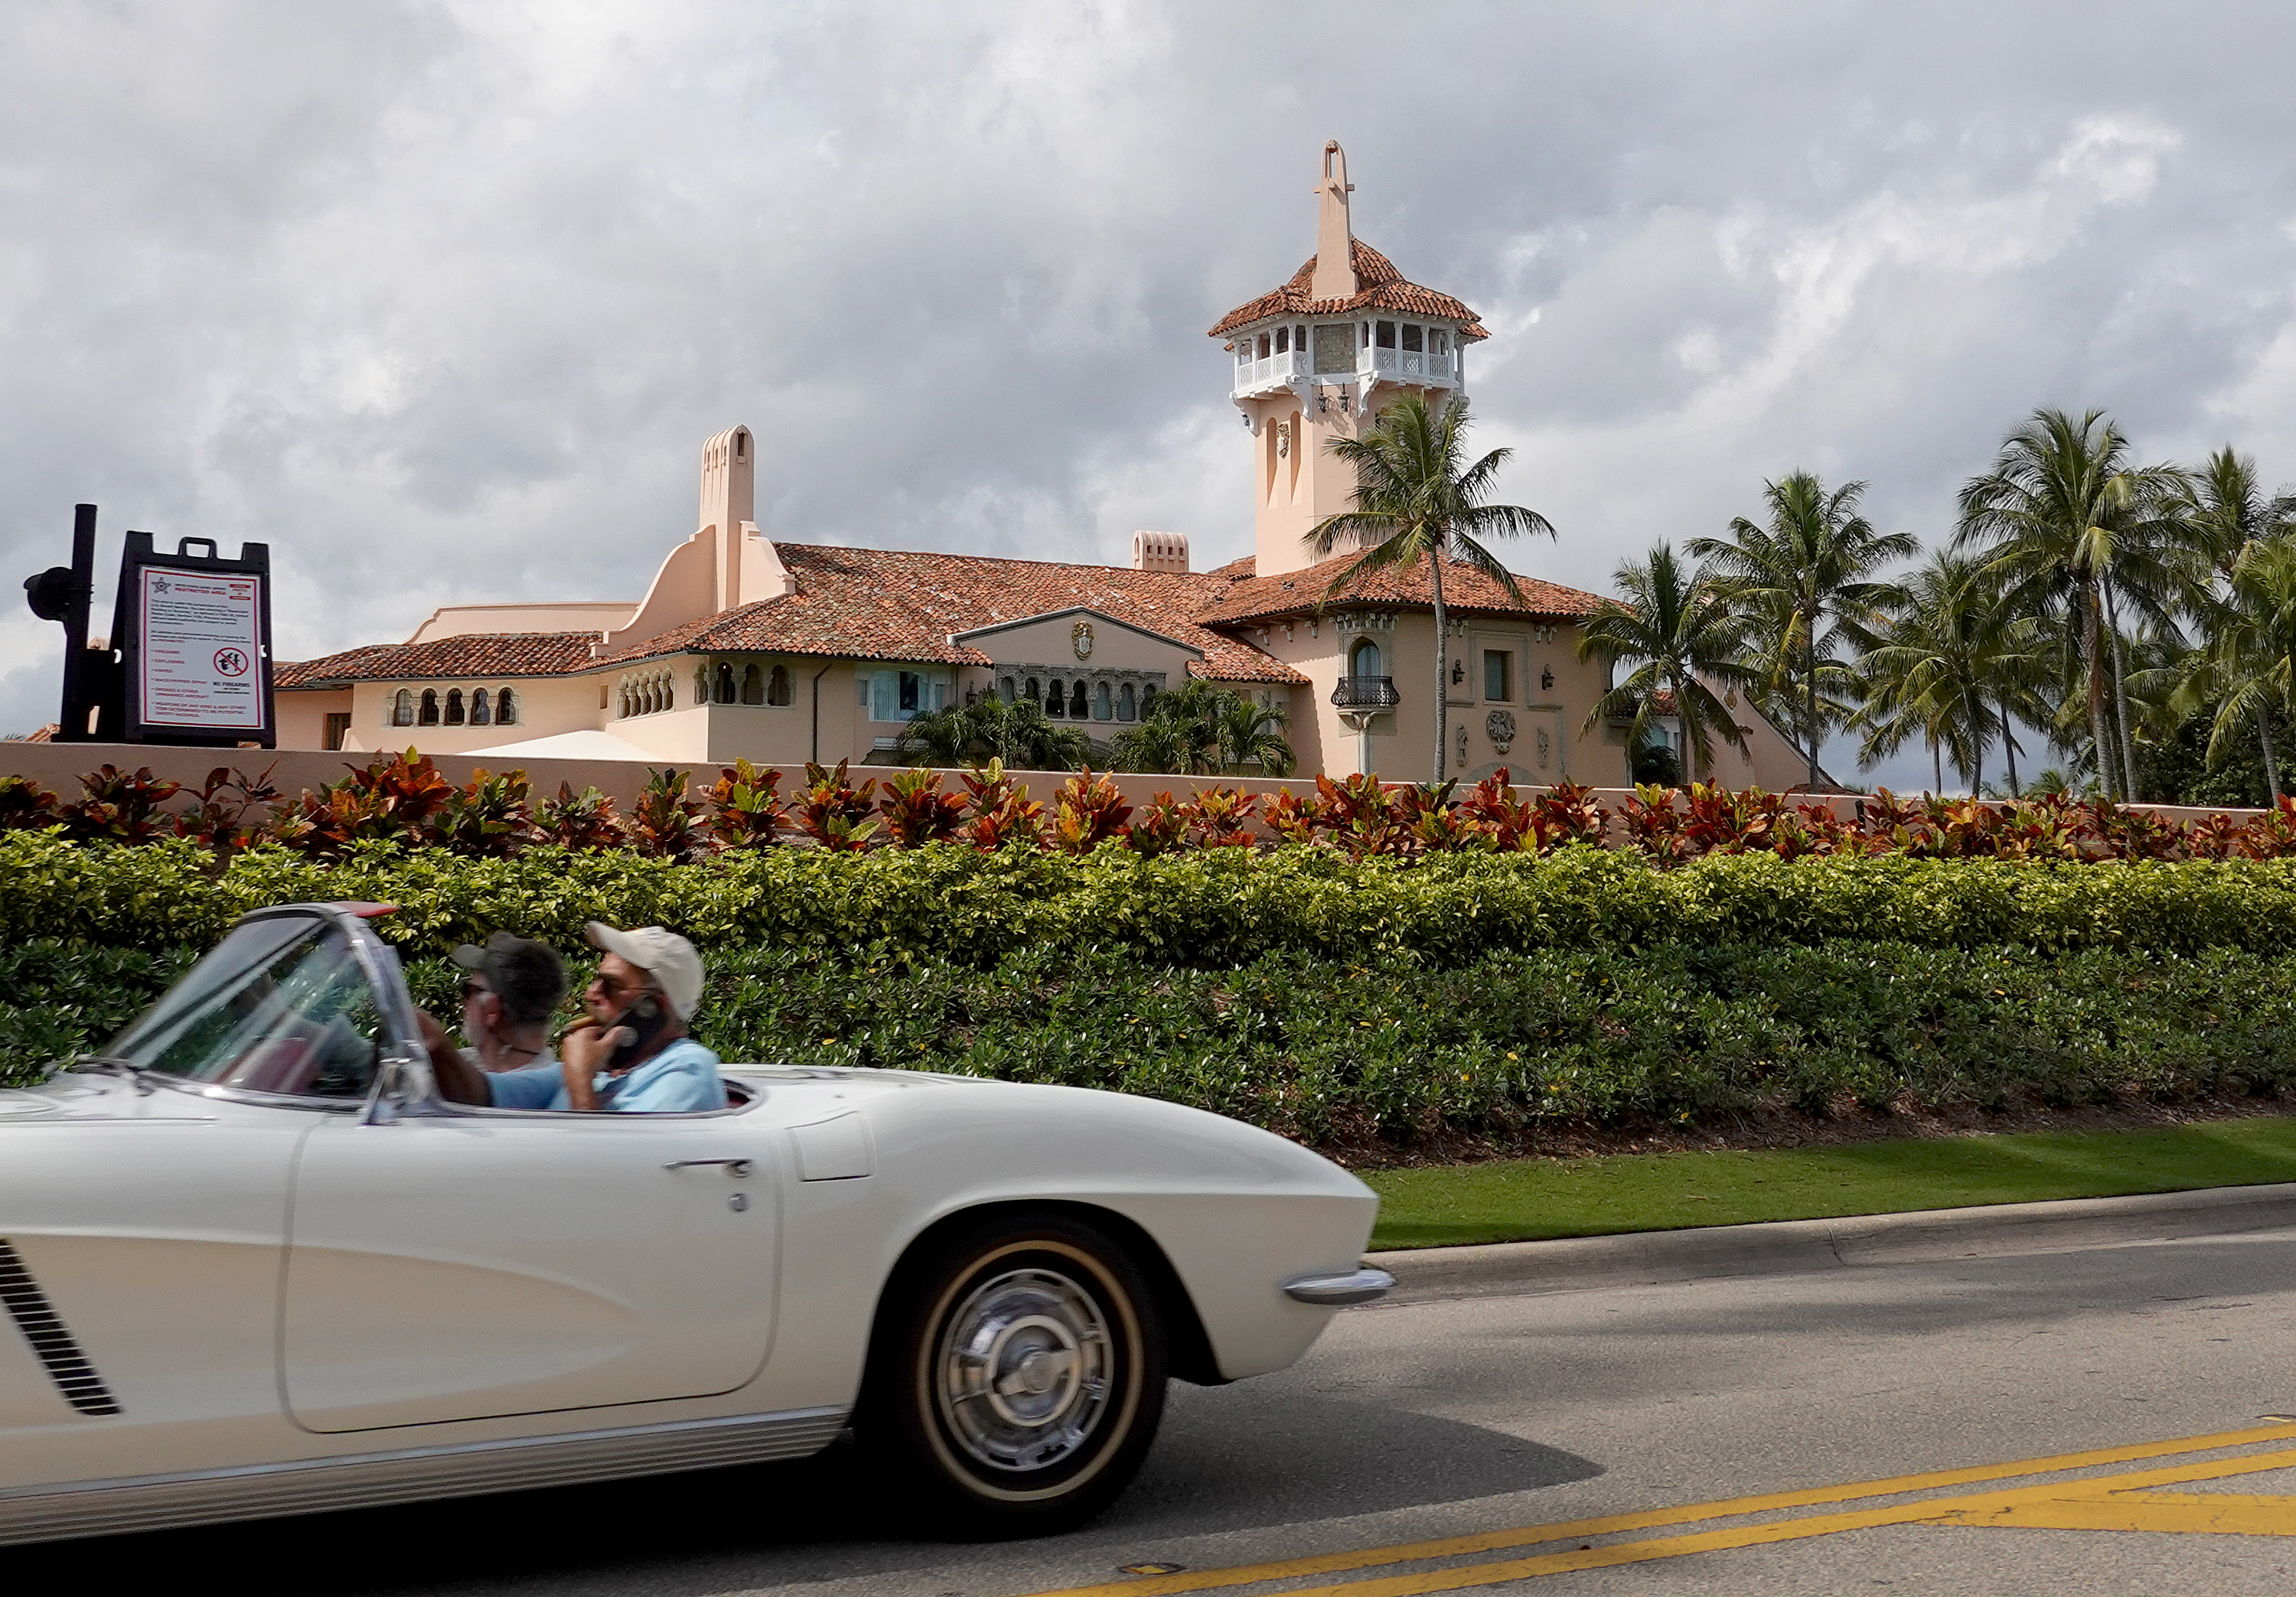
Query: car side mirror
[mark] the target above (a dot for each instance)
(407, 1086)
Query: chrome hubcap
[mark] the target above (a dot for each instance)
(1023, 1370)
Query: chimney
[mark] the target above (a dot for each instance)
(1159, 550)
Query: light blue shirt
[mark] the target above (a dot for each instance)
(681, 1079)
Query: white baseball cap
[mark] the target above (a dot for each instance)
(662, 953)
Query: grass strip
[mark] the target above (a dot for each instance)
(1526, 1199)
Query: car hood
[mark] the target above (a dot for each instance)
(67, 1095)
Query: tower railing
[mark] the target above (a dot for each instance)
(1438, 369)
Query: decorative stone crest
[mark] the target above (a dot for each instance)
(1545, 747)
(1081, 639)
(1500, 725)
(1283, 441)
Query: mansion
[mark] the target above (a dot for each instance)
(778, 652)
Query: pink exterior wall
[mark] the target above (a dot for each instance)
(302, 717)
(546, 706)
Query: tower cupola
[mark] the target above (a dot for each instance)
(1314, 358)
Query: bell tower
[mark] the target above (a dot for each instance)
(1316, 358)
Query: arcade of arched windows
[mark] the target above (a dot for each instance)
(646, 693)
(1069, 694)
(714, 681)
(453, 706)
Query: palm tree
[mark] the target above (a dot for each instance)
(1018, 733)
(2072, 529)
(1806, 580)
(2250, 660)
(1206, 729)
(1416, 499)
(1955, 664)
(1674, 626)
(2223, 513)
(2221, 510)
(1251, 733)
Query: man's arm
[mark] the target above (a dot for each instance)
(459, 1080)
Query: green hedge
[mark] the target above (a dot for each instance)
(1218, 908)
(1323, 1050)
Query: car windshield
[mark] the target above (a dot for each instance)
(281, 1005)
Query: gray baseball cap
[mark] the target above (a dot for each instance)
(527, 976)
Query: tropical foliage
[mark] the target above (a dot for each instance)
(1681, 639)
(1805, 578)
(1016, 732)
(1418, 500)
(2135, 622)
(1206, 729)
(1351, 1051)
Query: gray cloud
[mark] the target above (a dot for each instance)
(441, 299)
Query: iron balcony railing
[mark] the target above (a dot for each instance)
(1366, 692)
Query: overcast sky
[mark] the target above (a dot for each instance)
(441, 299)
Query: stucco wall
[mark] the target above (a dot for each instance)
(302, 717)
(546, 706)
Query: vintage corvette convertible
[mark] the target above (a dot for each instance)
(254, 1264)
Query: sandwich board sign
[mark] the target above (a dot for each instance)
(193, 633)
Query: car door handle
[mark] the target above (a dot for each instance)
(734, 1167)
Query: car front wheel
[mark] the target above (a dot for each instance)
(1018, 1377)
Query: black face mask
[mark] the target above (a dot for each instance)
(643, 1020)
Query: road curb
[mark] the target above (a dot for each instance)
(1797, 1247)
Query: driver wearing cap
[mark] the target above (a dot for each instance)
(632, 1055)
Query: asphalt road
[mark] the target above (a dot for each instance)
(1464, 1417)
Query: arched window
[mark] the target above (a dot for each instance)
(1030, 692)
(506, 708)
(1127, 705)
(725, 693)
(1147, 699)
(1362, 660)
(454, 707)
(1056, 701)
(1006, 691)
(701, 684)
(622, 702)
(429, 717)
(1101, 709)
(753, 684)
(1080, 706)
(779, 690)
(482, 713)
(402, 707)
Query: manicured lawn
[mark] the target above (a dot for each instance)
(1512, 1200)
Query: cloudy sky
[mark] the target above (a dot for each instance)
(441, 299)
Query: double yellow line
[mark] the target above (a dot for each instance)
(2112, 1502)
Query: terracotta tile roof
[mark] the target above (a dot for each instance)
(1465, 590)
(475, 654)
(1379, 286)
(894, 604)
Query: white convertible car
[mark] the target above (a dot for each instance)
(255, 1266)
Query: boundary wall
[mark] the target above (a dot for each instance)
(59, 766)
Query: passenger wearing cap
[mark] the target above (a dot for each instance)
(511, 991)
(632, 1055)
